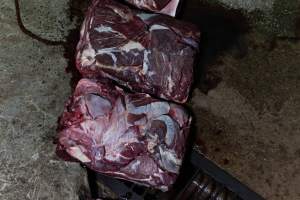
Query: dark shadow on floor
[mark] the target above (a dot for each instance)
(222, 30)
(77, 9)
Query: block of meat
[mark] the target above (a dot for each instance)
(148, 53)
(168, 7)
(127, 136)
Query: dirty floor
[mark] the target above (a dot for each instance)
(246, 99)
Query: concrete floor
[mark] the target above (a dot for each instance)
(248, 122)
(33, 88)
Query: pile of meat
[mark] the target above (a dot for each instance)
(147, 53)
(131, 134)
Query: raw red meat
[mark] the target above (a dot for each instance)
(167, 7)
(149, 53)
(128, 136)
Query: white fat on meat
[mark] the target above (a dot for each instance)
(134, 165)
(146, 62)
(145, 4)
(77, 153)
(152, 142)
(108, 29)
(171, 84)
(83, 28)
(105, 29)
(158, 27)
(121, 13)
(151, 73)
(132, 45)
(88, 56)
(163, 188)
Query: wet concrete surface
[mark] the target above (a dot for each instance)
(246, 99)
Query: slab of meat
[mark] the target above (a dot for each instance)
(167, 7)
(128, 136)
(148, 53)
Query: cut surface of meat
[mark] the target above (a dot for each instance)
(168, 7)
(149, 53)
(128, 136)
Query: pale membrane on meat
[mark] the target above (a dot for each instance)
(97, 106)
(146, 62)
(172, 128)
(171, 8)
(145, 16)
(142, 165)
(95, 128)
(158, 27)
(152, 110)
(114, 136)
(116, 129)
(117, 135)
(108, 29)
(169, 160)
